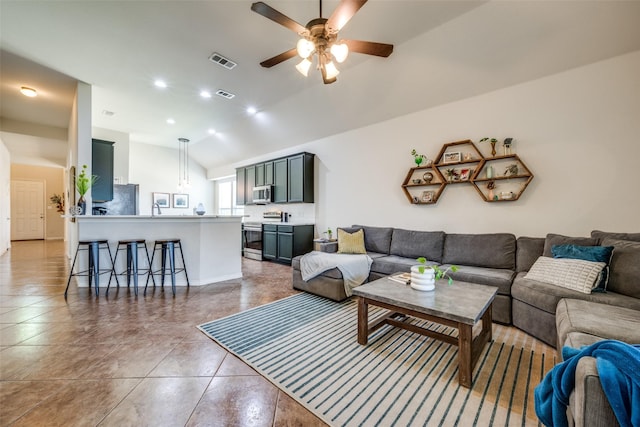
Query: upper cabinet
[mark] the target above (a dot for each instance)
(300, 178)
(280, 181)
(241, 194)
(102, 167)
(292, 179)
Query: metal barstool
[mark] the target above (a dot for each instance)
(93, 271)
(167, 248)
(132, 247)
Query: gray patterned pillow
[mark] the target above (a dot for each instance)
(575, 274)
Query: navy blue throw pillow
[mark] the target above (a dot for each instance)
(587, 253)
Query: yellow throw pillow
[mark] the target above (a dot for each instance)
(351, 243)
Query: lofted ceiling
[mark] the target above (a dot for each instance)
(444, 51)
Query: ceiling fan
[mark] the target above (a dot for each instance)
(320, 37)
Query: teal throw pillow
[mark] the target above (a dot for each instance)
(587, 253)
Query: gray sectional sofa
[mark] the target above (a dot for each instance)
(497, 259)
(487, 259)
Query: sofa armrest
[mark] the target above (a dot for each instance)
(589, 406)
(328, 247)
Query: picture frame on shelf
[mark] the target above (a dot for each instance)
(465, 174)
(162, 199)
(427, 196)
(452, 157)
(180, 200)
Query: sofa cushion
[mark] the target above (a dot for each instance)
(575, 274)
(624, 267)
(391, 264)
(499, 277)
(559, 239)
(376, 239)
(588, 253)
(351, 243)
(415, 244)
(496, 250)
(527, 252)
(601, 235)
(545, 296)
(601, 320)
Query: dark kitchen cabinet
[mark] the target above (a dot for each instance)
(260, 174)
(268, 173)
(270, 242)
(300, 178)
(281, 243)
(241, 194)
(102, 167)
(280, 181)
(250, 182)
(291, 177)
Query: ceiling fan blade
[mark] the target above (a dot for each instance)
(268, 63)
(369, 48)
(343, 13)
(270, 13)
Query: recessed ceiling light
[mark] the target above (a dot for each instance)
(251, 110)
(27, 91)
(205, 94)
(171, 121)
(160, 83)
(211, 131)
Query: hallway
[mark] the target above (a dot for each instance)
(127, 360)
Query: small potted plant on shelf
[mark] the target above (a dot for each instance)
(83, 184)
(452, 174)
(418, 158)
(493, 142)
(423, 276)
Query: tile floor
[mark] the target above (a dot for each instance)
(126, 360)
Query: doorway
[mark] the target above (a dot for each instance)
(27, 210)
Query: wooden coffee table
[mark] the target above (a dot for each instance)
(460, 305)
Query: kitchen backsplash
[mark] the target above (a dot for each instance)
(298, 212)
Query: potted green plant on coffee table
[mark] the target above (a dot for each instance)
(423, 276)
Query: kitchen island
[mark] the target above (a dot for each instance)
(211, 243)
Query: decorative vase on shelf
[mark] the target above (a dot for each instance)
(200, 209)
(82, 205)
(423, 281)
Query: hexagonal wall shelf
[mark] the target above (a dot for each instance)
(423, 185)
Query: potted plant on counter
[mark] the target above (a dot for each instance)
(83, 184)
(423, 276)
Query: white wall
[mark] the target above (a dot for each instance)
(577, 131)
(5, 198)
(155, 169)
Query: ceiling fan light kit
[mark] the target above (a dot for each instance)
(320, 39)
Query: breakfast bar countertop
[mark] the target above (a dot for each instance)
(211, 243)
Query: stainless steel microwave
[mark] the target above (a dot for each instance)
(263, 194)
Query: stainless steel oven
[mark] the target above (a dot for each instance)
(252, 240)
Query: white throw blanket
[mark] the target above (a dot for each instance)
(354, 267)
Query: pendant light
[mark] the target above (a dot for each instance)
(184, 182)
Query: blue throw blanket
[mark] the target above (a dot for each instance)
(618, 366)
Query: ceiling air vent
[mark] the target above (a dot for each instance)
(222, 61)
(225, 94)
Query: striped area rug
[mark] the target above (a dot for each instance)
(306, 345)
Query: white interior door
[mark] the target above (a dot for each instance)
(27, 210)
